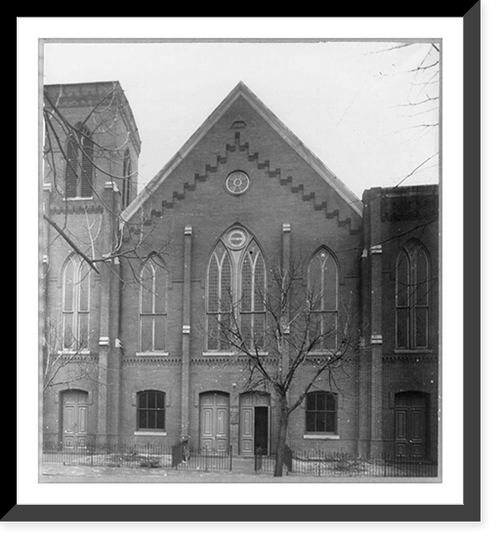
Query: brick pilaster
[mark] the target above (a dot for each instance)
(186, 331)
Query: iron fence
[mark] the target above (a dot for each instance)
(322, 464)
(266, 463)
(185, 457)
(138, 455)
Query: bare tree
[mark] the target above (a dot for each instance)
(72, 153)
(420, 108)
(57, 360)
(81, 154)
(280, 352)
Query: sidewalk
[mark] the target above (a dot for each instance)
(242, 473)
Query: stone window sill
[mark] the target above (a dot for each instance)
(152, 354)
(413, 351)
(149, 433)
(321, 437)
(230, 353)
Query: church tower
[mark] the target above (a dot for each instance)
(91, 149)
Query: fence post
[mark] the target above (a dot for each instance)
(258, 458)
(288, 458)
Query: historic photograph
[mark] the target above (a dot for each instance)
(240, 261)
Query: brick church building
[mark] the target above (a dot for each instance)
(135, 283)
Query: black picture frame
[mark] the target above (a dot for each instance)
(470, 510)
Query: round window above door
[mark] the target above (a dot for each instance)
(237, 182)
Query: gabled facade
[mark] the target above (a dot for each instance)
(146, 359)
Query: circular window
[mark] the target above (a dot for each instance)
(237, 182)
(236, 238)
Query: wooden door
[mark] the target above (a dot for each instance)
(214, 421)
(74, 419)
(411, 425)
(254, 423)
(247, 430)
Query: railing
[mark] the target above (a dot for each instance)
(184, 457)
(143, 455)
(188, 458)
(266, 463)
(323, 464)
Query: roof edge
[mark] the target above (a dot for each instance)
(242, 90)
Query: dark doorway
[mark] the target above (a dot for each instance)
(262, 429)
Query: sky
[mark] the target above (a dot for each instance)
(349, 102)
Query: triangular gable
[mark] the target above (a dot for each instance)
(242, 90)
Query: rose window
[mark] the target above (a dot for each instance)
(237, 182)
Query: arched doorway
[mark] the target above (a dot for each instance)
(411, 424)
(214, 421)
(74, 419)
(254, 423)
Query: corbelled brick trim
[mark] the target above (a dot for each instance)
(150, 360)
(319, 206)
(76, 207)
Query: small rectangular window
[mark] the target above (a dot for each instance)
(151, 410)
(321, 413)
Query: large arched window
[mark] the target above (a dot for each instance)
(220, 285)
(236, 282)
(79, 163)
(412, 297)
(322, 296)
(252, 306)
(153, 308)
(76, 304)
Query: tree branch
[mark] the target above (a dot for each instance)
(70, 242)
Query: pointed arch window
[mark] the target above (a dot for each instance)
(236, 281)
(76, 304)
(79, 163)
(412, 297)
(219, 298)
(252, 306)
(153, 308)
(323, 299)
(127, 171)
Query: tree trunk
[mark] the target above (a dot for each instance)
(282, 433)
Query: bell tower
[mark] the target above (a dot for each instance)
(91, 149)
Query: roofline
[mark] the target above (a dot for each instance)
(127, 114)
(242, 90)
(84, 83)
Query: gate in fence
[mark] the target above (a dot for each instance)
(205, 459)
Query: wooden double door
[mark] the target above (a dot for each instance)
(74, 422)
(411, 425)
(214, 421)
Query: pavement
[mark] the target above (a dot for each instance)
(243, 472)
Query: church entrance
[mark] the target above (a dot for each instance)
(74, 420)
(214, 421)
(254, 423)
(411, 425)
